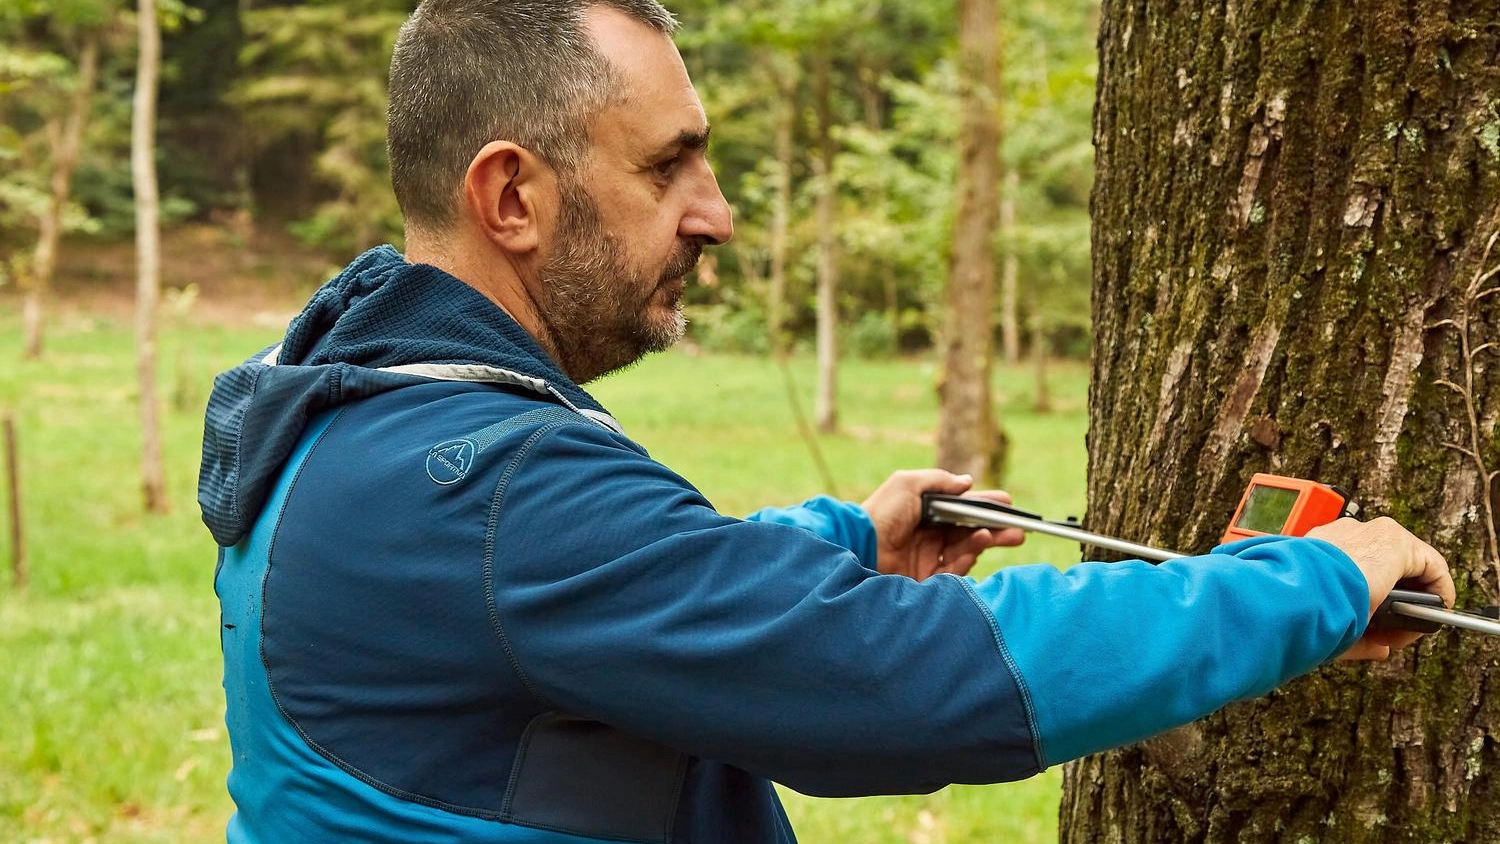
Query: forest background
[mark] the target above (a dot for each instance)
(271, 121)
(272, 173)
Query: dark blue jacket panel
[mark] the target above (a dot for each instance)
(378, 635)
(289, 790)
(566, 571)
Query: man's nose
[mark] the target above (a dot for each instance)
(709, 216)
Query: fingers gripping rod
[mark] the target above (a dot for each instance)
(969, 513)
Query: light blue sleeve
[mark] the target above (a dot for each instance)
(1112, 653)
(843, 523)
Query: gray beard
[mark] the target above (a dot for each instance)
(595, 307)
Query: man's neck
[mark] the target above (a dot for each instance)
(496, 278)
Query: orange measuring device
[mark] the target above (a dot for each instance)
(1271, 506)
(1276, 506)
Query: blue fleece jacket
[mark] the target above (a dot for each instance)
(459, 604)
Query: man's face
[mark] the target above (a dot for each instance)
(636, 215)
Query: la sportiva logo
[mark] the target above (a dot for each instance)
(450, 462)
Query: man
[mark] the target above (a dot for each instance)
(459, 604)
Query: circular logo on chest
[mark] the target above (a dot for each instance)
(449, 462)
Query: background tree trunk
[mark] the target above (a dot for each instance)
(785, 73)
(1010, 270)
(148, 250)
(826, 409)
(1040, 353)
(66, 139)
(967, 437)
(1291, 211)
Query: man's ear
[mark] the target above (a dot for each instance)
(505, 189)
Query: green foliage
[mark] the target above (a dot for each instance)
(173, 15)
(872, 336)
(36, 78)
(902, 178)
(327, 61)
(278, 109)
(727, 329)
(897, 103)
(61, 16)
(39, 75)
(752, 62)
(1050, 78)
(103, 184)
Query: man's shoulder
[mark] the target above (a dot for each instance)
(459, 432)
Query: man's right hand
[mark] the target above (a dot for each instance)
(1387, 554)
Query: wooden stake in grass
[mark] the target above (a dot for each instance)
(13, 483)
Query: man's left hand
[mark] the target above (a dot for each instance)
(907, 546)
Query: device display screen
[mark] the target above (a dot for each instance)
(1268, 509)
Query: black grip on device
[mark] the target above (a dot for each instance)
(1387, 619)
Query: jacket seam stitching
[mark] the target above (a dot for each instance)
(497, 508)
(1038, 745)
(338, 762)
(496, 513)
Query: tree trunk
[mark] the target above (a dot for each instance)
(826, 409)
(781, 211)
(243, 222)
(966, 429)
(1010, 295)
(1291, 215)
(892, 304)
(1040, 353)
(66, 137)
(148, 250)
(871, 97)
(872, 105)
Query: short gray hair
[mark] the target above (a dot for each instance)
(468, 72)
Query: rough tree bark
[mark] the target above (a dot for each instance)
(1291, 216)
(148, 250)
(65, 136)
(967, 439)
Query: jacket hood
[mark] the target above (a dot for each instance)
(380, 325)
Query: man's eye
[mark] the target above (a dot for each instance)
(666, 168)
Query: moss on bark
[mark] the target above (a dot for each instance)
(1292, 198)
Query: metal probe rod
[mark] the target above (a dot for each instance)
(1466, 620)
(973, 516)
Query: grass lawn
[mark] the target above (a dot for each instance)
(114, 723)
